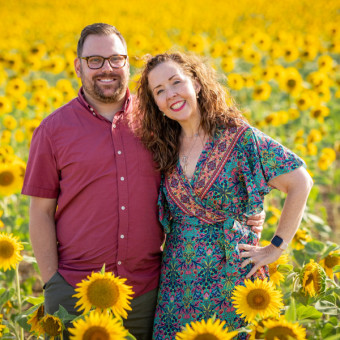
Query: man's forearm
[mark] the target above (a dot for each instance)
(44, 241)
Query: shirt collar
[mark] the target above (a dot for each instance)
(127, 107)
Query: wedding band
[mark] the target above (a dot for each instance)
(250, 260)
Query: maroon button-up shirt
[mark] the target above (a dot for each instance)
(106, 189)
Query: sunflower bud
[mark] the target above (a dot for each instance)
(313, 279)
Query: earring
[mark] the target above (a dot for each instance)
(197, 95)
(163, 114)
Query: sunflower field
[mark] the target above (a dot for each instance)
(280, 60)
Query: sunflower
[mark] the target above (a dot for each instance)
(313, 279)
(330, 261)
(98, 326)
(10, 247)
(104, 291)
(2, 327)
(275, 276)
(206, 330)
(292, 81)
(51, 326)
(258, 297)
(235, 81)
(35, 319)
(5, 105)
(9, 122)
(262, 91)
(282, 329)
(10, 180)
(257, 328)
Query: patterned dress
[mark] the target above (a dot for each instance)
(205, 220)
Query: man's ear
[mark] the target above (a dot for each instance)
(77, 67)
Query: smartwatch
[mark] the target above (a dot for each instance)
(278, 242)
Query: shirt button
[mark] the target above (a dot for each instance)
(123, 208)
(122, 178)
(114, 126)
(122, 236)
(119, 262)
(119, 152)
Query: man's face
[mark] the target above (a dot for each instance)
(107, 84)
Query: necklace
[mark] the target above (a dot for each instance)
(185, 158)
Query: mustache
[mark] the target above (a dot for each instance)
(107, 74)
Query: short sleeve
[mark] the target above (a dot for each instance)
(267, 158)
(42, 176)
(164, 211)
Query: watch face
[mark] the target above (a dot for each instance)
(277, 241)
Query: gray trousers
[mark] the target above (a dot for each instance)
(139, 321)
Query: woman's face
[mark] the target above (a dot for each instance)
(175, 92)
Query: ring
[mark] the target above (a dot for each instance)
(250, 260)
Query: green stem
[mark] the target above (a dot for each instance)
(17, 281)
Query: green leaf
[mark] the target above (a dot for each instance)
(300, 257)
(327, 330)
(102, 271)
(35, 300)
(130, 337)
(336, 269)
(290, 314)
(326, 307)
(333, 337)
(6, 295)
(285, 268)
(314, 247)
(21, 320)
(307, 312)
(63, 314)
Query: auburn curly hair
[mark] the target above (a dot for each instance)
(160, 134)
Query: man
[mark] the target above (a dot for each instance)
(94, 187)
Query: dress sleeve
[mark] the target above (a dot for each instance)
(267, 159)
(42, 176)
(164, 211)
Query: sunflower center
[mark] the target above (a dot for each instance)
(96, 333)
(6, 178)
(258, 299)
(206, 336)
(281, 333)
(309, 279)
(6, 249)
(51, 326)
(291, 83)
(103, 293)
(331, 261)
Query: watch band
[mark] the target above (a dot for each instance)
(278, 242)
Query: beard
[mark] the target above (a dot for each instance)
(98, 91)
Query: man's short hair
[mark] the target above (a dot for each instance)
(98, 29)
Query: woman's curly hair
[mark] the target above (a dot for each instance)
(160, 134)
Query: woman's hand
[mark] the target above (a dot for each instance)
(258, 256)
(257, 221)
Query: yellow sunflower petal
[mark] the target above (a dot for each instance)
(10, 248)
(257, 298)
(209, 330)
(104, 292)
(98, 326)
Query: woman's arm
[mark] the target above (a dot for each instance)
(297, 184)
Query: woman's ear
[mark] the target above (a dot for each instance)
(197, 86)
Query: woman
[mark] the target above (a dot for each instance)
(217, 170)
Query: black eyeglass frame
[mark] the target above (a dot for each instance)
(103, 58)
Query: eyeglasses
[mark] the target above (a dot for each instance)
(96, 61)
